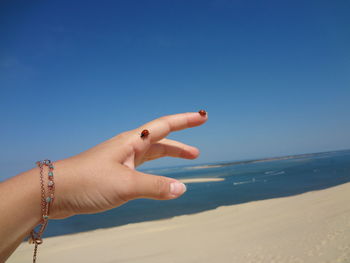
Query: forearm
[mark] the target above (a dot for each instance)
(20, 210)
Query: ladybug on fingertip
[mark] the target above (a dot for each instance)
(144, 134)
(202, 112)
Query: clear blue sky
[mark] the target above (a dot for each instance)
(274, 76)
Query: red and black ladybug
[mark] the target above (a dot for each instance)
(144, 134)
(202, 112)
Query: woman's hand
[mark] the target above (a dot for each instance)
(104, 176)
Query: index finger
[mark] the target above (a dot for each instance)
(161, 127)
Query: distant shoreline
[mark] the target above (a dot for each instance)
(269, 159)
(249, 161)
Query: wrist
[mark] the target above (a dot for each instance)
(64, 176)
(31, 195)
(20, 209)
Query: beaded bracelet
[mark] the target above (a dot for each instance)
(46, 203)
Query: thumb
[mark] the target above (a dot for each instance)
(156, 187)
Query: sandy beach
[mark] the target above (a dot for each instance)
(201, 180)
(311, 227)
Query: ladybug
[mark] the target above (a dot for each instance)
(144, 134)
(202, 112)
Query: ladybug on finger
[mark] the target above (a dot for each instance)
(202, 113)
(144, 134)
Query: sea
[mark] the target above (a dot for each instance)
(242, 182)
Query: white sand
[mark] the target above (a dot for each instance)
(311, 227)
(201, 180)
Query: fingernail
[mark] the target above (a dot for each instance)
(177, 188)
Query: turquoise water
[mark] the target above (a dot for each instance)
(243, 183)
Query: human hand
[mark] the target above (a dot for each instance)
(104, 176)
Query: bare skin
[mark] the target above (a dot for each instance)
(96, 180)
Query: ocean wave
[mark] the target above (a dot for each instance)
(243, 182)
(261, 178)
(249, 181)
(271, 173)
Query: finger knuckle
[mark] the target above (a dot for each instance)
(162, 187)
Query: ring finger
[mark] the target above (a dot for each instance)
(167, 147)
